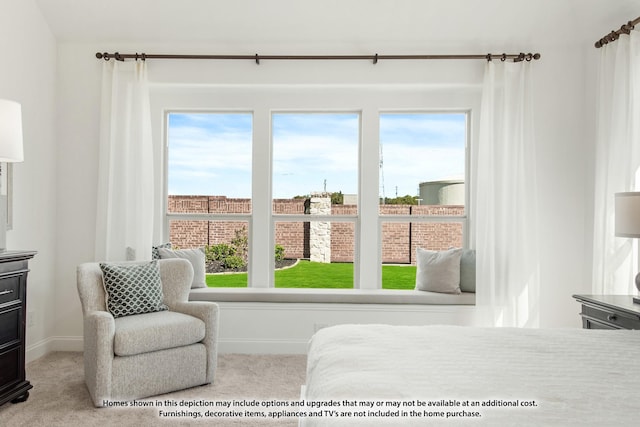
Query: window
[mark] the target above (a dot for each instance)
(423, 160)
(315, 153)
(209, 177)
(210, 154)
(315, 178)
(314, 186)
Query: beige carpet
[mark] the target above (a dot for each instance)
(60, 398)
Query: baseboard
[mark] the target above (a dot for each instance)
(51, 344)
(255, 346)
(39, 349)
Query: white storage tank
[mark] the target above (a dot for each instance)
(443, 192)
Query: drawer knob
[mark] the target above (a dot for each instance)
(612, 318)
(6, 291)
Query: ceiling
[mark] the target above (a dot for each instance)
(343, 24)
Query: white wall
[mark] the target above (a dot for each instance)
(564, 153)
(28, 73)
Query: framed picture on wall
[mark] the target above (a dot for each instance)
(6, 191)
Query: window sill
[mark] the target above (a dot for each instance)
(344, 296)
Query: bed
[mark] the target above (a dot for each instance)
(450, 375)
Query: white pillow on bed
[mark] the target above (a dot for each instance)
(438, 271)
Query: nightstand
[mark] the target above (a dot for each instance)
(14, 267)
(609, 312)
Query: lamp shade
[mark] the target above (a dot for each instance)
(10, 131)
(627, 208)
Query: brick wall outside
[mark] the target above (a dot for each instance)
(400, 240)
(342, 234)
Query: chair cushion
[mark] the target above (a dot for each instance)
(143, 333)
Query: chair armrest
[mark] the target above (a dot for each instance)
(99, 332)
(209, 313)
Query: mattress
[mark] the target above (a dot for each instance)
(452, 375)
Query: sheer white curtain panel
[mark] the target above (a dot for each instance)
(505, 199)
(617, 161)
(125, 217)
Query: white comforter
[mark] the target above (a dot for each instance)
(575, 376)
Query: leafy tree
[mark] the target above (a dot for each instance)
(337, 198)
(401, 200)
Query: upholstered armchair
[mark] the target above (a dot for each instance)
(141, 355)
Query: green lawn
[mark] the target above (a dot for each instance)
(307, 274)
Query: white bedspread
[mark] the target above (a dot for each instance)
(575, 376)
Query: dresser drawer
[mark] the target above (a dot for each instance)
(588, 323)
(10, 367)
(614, 319)
(10, 289)
(10, 326)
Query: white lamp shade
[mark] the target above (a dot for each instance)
(627, 208)
(10, 131)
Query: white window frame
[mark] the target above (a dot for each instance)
(262, 100)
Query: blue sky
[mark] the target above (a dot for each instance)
(210, 153)
(421, 147)
(311, 148)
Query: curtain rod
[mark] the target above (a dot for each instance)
(615, 35)
(373, 58)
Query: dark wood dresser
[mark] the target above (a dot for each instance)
(14, 267)
(609, 312)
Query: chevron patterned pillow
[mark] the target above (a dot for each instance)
(132, 288)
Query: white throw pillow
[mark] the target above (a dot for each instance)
(438, 271)
(195, 257)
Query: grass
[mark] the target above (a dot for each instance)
(307, 274)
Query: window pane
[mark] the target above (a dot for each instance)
(422, 161)
(400, 242)
(316, 154)
(210, 155)
(314, 254)
(226, 247)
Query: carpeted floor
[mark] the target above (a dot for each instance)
(59, 396)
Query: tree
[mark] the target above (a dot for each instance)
(337, 198)
(402, 200)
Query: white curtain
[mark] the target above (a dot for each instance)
(125, 209)
(505, 201)
(617, 160)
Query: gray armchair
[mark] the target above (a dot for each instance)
(142, 355)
